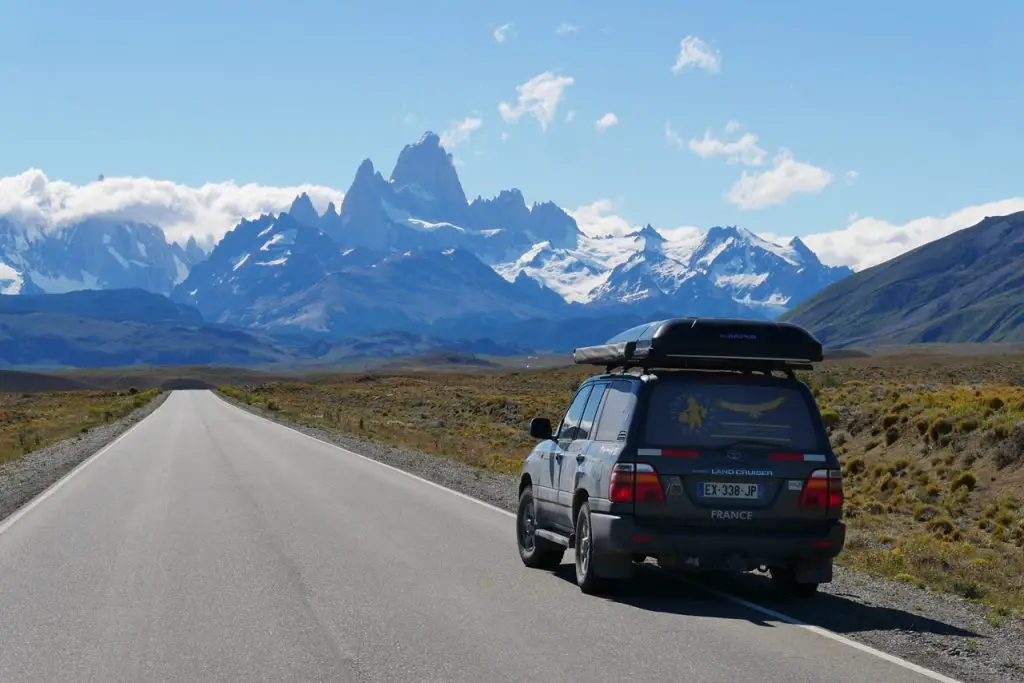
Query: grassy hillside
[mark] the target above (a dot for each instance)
(932, 446)
(32, 421)
(966, 287)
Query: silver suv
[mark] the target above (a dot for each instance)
(698, 447)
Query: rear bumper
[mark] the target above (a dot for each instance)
(618, 536)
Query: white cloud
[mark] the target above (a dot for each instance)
(786, 177)
(745, 150)
(571, 116)
(565, 27)
(733, 126)
(696, 53)
(673, 138)
(597, 220)
(607, 121)
(504, 136)
(31, 199)
(501, 33)
(868, 241)
(851, 177)
(538, 97)
(460, 132)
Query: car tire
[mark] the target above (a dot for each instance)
(784, 578)
(586, 578)
(536, 553)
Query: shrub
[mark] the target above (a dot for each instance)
(890, 420)
(995, 403)
(941, 526)
(967, 426)
(965, 479)
(940, 427)
(1011, 450)
(830, 418)
(856, 466)
(892, 434)
(924, 512)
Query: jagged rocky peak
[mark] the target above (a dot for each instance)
(303, 211)
(651, 237)
(427, 171)
(193, 251)
(549, 222)
(803, 251)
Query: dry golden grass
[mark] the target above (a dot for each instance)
(932, 448)
(32, 421)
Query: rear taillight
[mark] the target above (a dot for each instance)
(823, 490)
(635, 483)
(786, 457)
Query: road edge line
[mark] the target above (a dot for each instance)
(792, 621)
(13, 518)
(399, 470)
(821, 631)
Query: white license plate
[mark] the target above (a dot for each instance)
(730, 490)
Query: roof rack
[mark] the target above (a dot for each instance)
(707, 344)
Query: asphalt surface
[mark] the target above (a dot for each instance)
(208, 544)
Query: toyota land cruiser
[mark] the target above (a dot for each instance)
(697, 447)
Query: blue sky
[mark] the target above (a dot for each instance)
(922, 100)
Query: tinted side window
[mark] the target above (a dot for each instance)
(617, 412)
(590, 412)
(572, 416)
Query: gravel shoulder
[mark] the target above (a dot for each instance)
(23, 479)
(942, 632)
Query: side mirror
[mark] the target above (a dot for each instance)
(540, 428)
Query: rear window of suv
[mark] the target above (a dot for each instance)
(712, 413)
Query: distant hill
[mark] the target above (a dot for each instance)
(967, 287)
(120, 328)
(132, 327)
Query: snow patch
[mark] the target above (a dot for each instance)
(276, 262)
(744, 280)
(241, 262)
(10, 280)
(266, 230)
(142, 249)
(272, 241)
(560, 270)
(181, 270)
(117, 257)
(62, 284)
(418, 191)
(427, 226)
(106, 238)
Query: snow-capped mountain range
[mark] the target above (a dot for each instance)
(411, 252)
(91, 254)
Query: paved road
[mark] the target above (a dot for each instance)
(211, 545)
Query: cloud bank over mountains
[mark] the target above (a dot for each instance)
(206, 213)
(210, 211)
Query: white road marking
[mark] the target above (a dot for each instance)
(893, 659)
(57, 485)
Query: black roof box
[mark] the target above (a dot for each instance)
(709, 343)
